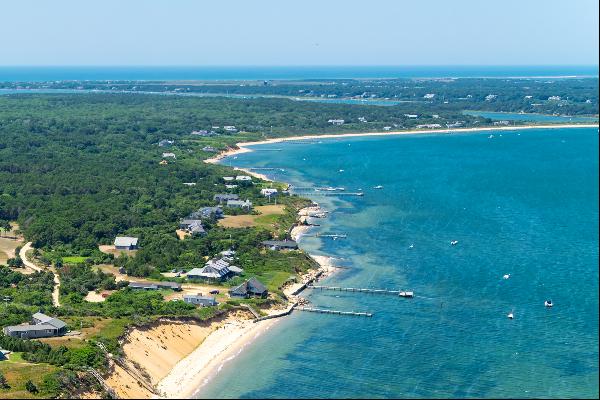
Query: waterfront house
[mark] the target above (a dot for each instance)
(189, 183)
(250, 288)
(168, 155)
(225, 197)
(210, 149)
(268, 192)
(280, 244)
(243, 178)
(247, 205)
(336, 121)
(230, 128)
(228, 178)
(41, 326)
(126, 243)
(199, 300)
(411, 116)
(231, 186)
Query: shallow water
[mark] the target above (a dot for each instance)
(523, 203)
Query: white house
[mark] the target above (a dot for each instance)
(268, 192)
(429, 96)
(126, 243)
(336, 121)
(168, 155)
(243, 178)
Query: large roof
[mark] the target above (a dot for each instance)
(125, 241)
(44, 319)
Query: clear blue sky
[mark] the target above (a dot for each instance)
(301, 32)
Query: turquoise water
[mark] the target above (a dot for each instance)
(50, 73)
(530, 117)
(521, 203)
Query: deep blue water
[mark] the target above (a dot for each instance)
(523, 203)
(530, 117)
(52, 73)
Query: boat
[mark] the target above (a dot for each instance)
(411, 246)
(510, 315)
(454, 242)
(548, 303)
(406, 294)
(341, 170)
(490, 137)
(378, 187)
(506, 276)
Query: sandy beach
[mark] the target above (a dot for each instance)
(205, 362)
(227, 340)
(243, 147)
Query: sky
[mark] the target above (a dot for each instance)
(301, 32)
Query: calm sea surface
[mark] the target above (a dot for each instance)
(27, 74)
(530, 117)
(521, 203)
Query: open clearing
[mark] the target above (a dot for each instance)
(267, 216)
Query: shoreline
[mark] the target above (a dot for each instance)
(243, 147)
(191, 374)
(227, 341)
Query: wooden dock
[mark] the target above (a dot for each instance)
(336, 312)
(400, 293)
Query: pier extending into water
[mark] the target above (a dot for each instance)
(336, 312)
(400, 293)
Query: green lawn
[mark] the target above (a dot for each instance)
(74, 260)
(18, 371)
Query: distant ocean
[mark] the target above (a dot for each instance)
(523, 203)
(30, 74)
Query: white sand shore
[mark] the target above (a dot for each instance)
(223, 344)
(206, 361)
(243, 147)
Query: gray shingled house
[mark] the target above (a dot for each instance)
(41, 326)
(250, 288)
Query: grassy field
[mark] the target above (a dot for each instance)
(74, 260)
(268, 217)
(18, 371)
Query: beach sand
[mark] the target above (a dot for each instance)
(226, 341)
(243, 147)
(205, 362)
